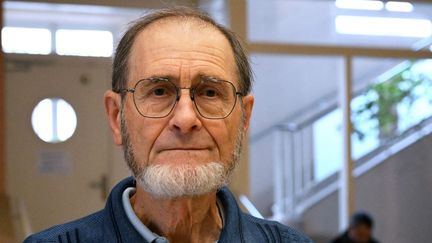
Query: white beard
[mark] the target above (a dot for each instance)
(185, 180)
(171, 181)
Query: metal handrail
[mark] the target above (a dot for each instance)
(304, 196)
(329, 185)
(318, 110)
(289, 201)
(252, 210)
(289, 125)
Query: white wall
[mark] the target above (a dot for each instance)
(397, 193)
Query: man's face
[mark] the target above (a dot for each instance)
(184, 145)
(360, 233)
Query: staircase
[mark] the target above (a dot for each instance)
(306, 161)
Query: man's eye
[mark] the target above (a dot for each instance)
(210, 93)
(159, 92)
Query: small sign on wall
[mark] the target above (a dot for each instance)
(54, 162)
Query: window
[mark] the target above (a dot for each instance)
(63, 29)
(95, 43)
(26, 40)
(54, 120)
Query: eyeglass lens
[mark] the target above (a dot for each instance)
(157, 98)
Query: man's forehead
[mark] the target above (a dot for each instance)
(179, 27)
(182, 36)
(184, 22)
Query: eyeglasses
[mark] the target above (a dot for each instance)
(157, 97)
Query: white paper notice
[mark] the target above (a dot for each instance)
(54, 163)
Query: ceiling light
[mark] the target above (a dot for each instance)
(360, 4)
(399, 6)
(383, 26)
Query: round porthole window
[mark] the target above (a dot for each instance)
(54, 120)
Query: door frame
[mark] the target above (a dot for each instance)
(2, 116)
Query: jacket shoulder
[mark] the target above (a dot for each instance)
(91, 228)
(272, 231)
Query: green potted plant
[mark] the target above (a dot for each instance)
(382, 99)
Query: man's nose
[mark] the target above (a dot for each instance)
(185, 117)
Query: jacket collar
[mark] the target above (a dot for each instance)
(125, 232)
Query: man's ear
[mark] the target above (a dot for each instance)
(112, 103)
(248, 102)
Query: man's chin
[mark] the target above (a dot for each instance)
(179, 157)
(168, 181)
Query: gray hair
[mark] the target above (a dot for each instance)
(121, 57)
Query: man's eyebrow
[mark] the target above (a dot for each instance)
(210, 78)
(159, 78)
(200, 77)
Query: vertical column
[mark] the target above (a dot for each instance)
(2, 115)
(238, 17)
(346, 202)
(291, 173)
(308, 157)
(237, 21)
(279, 159)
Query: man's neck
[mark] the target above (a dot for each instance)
(188, 219)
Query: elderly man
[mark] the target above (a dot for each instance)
(180, 107)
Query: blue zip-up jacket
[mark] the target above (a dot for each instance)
(111, 224)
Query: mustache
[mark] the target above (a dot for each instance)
(185, 142)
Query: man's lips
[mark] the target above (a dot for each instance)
(183, 149)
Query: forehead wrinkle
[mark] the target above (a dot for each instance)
(184, 75)
(194, 63)
(209, 50)
(213, 58)
(206, 64)
(187, 55)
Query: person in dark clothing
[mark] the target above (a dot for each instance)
(359, 231)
